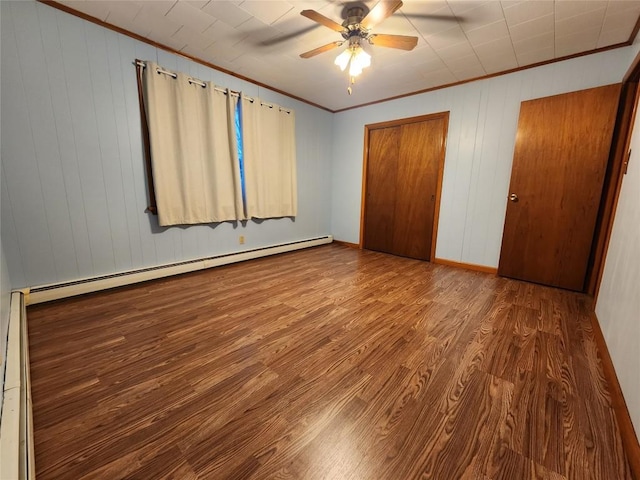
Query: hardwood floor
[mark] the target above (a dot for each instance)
(326, 363)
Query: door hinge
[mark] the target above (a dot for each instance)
(626, 162)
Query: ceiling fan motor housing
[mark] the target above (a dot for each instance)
(353, 31)
(354, 16)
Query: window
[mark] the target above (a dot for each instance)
(214, 155)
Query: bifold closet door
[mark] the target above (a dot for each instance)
(382, 173)
(403, 167)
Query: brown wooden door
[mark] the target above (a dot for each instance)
(381, 189)
(402, 179)
(559, 163)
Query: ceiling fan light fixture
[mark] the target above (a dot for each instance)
(354, 70)
(361, 58)
(342, 60)
(355, 57)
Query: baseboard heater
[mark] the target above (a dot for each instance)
(17, 459)
(46, 293)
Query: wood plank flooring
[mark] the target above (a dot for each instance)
(326, 363)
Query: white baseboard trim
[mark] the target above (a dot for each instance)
(46, 293)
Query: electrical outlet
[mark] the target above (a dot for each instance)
(241, 240)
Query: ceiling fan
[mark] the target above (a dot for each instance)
(356, 30)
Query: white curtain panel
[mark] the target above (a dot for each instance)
(269, 151)
(194, 154)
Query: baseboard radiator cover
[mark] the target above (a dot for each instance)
(17, 458)
(46, 293)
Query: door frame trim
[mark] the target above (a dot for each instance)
(365, 169)
(627, 109)
(626, 122)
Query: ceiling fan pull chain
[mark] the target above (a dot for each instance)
(352, 80)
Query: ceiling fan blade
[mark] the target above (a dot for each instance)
(322, 20)
(402, 42)
(322, 49)
(384, 9)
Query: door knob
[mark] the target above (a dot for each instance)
(513, 197)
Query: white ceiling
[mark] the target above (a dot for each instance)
(262, 39)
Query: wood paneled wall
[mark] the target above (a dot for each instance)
(73, 185)
(72, 180)
(482, 130)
